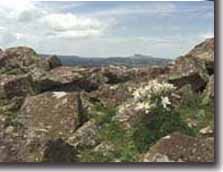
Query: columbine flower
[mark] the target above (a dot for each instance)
(165, 101)
(139, 106)
(144, 97)
(136, 94)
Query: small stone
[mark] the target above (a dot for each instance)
(206, 130)
(16, 134)
(193, 150)
(9, 129)
(166, 137)
(3, 147)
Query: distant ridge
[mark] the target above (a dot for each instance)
(137, 60)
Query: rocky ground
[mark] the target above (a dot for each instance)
(54, 113)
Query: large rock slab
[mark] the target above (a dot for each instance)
(56, 113)
(209, 90)
(58, 151)
(195, 67)
(85, 136)
(54, 61)
(189, 71)
(49, 116)
(13, 89)
(64, 78)
(204, 51)
(21, 59)
(177, 147)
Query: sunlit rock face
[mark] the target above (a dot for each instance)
(22, 59)
(195, 67)
(177, 147)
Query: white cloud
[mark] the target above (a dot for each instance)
(28, 23)
(71, 26)
(30, 14)
(74, 34)
(68, 21)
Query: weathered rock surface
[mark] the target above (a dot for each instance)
(177, 147)
(195, 67)
(49, 116)
(85, 136)
(66, 74)
(129, 117)
(115, 75)
(105, 148)
(11, 139)
(111, 95)
(209, 90)
(204, 51)
(64, 79)
(15, 86)
(54, 61)
(21, 59)
(56, 120)
(56, 113)
(58, 151)
(189, 71)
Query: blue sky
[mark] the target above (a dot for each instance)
(101, 29)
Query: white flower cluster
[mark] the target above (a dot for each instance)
(153, 88)
(153, 93)
(150, 95)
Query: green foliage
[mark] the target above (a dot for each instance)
(124, 147)
(156, 125)
(111, 132)
(193, 108)
(11, 118)
(89, 155)
(129, 144)
(102, 114)
(14, 71)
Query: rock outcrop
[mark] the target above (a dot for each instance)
(15, 86)
(43, 113)
(85, 136)
(55, 113)
(195, 67)
(54, 61)
(21, 60)
(49, 116)
(209, 90)
(177, 147)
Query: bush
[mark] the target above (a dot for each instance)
(193, 108)
(157, 125)
(160, 119)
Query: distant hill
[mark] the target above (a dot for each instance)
(136, 60)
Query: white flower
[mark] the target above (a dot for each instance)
(147, 106)
(136, 94)
(165, 101)
(144, 97)
(139, 106)
(143, 106)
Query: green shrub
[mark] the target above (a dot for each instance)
(158, 122)
(193, 108)
(102, 114)
(156, 125)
